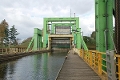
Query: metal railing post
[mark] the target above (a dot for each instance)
(118, 67)
(90, 52)
(99, 63)
(110, 63)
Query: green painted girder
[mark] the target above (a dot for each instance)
(69, 21)
(31, 42)
(46, 20)
(63, 24)
(84, 44)
(104, 25)
(36, 40)
(62, 19)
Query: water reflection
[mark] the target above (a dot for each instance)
(3, 70)
(35, 67)
(45, 66)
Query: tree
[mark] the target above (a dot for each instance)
(93, 35)
(6, 38)
(12, 35)
(90, 41)
(87, 39)
(3, 27)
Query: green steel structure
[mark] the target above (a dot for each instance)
(74, 33)
(104, 27)
(50, 21)
(49, 28)
(36, 42)
(65, 24)
(104, 11)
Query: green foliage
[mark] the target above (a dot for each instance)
(26, 42)
(90, 41)
(93, 35)
(6, 38)
(12, 35)
(3, 27)
(7, 35)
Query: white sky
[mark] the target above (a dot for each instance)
(28, 14)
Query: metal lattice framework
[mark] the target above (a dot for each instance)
(36, 41)
(63, 21)
(104, 25)
(70, 24)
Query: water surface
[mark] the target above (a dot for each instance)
(35, 67)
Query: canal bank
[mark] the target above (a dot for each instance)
(9, 57)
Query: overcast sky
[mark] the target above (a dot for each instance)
(28, 14)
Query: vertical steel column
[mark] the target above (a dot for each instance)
(35, 46)
(100, 24)
(45, 33)
(40, 42)
(117, 34)
(37, 39)
(78, 41)
(110, 24)
(74, 34)
(117, 25)
(78, 38)
(84, 44)
(53, 29)
(104, 24)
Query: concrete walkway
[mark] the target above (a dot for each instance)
(75, 68)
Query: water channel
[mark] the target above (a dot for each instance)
(43, 66)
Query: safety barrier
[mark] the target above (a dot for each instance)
(118, 66)
(97, 61)
(12, 50)
(17, 50)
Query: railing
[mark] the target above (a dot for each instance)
(17, 50)
(39, 49)
(11, 50)
(118, 66)
(97, 61)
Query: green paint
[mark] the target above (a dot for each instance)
(103, 23)
(44, 33)
(73, 22)
(84, 44)
(36, 40)
(46, 20)
(104, 26)
(78, 42)
(53, 29)
(69, 21)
